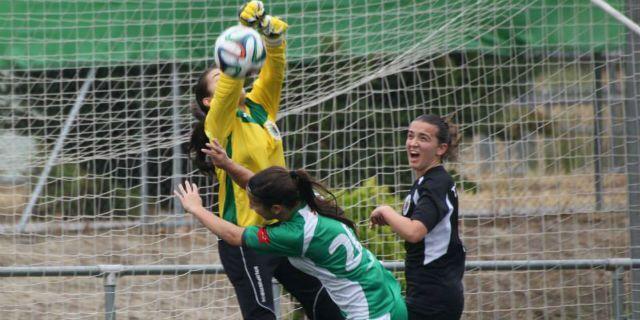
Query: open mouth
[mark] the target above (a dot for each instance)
(414, 155)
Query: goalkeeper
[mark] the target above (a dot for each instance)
(245, 126)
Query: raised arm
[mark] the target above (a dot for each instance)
(268, 87)
(191, 201)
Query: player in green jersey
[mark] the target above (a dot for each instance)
(245, 123)
(312, 233)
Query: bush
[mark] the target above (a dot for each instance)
(381, 241)
(358, 204)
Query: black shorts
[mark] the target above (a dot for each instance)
(437, 302)
(251, 274)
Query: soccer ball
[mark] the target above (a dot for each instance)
(239, 51)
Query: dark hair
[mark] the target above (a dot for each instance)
(277, 185)
(198, 141)
(447, 133)
(198, 136)
(201, 90)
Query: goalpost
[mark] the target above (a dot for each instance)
(94, 107)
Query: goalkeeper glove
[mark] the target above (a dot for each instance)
(273, 28)
(251, 13)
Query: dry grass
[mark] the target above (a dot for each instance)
(538, 218)
(13, 199)
(551, 294)
(188, 296)
(544, 195)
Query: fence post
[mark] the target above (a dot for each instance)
(618, 293)
(110, 295)
(632, 134)
(598, 102)
(110, 273)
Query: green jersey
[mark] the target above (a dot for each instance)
(329, 250)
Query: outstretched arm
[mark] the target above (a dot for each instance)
(191, 201)
(268, 87)
(239, 174)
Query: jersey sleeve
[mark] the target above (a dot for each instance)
(432, 205)
(276, 239)
(268, 87)
(222, 109)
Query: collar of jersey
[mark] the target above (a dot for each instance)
(245, 117)
(257, 114)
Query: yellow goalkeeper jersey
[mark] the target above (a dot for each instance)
(250, 137)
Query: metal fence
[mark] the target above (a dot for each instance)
(110, 274)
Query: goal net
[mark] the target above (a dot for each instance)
(95, 118)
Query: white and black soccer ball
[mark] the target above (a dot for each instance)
(239, 51)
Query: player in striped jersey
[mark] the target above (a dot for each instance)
(429, 224)
(245, 125)
(312, 233)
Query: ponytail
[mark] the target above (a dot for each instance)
(277, 185)
(198, 141)
(307, 189)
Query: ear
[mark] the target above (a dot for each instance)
(277, 209)
(206, 102)
(442, 149)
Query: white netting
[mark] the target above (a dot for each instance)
(536, 88)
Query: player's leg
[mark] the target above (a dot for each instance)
(308, 291)
(251, 274)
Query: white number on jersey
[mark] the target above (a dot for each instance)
(351, 245)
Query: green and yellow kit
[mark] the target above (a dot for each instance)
(250, 137)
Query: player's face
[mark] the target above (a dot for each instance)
(261, 209)
(212, 82)
(423, 149)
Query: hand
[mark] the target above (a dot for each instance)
(251, 13)
(377, 216)
(189, 196)
(272, 27)
(217, 154)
